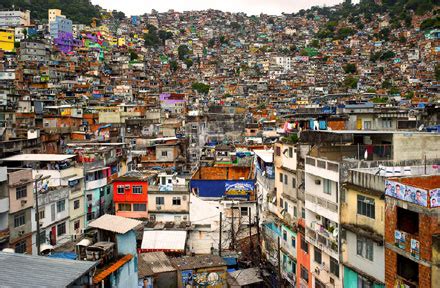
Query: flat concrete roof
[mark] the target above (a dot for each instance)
(39, 157)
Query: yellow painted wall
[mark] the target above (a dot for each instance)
(349, 212)
(7, 39)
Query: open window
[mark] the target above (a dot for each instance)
(407, 270)
(407, 221)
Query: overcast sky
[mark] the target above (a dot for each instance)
(251, 7)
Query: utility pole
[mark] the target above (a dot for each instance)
(220, 236)
(232, 229)
(37, 210)
(251, 248)
(258, 232)
(279, 262)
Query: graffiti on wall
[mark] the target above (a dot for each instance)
(238, 188)
(215, 279)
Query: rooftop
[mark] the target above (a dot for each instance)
(423, 182)
(40, 271)
(113, 223)
(39, 157)
(154, 263)
(196, 262)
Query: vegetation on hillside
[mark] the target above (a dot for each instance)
(79, 11)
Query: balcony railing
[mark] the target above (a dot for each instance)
(322, 202)
(320, 241)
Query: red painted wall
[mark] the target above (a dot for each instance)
(128, 196)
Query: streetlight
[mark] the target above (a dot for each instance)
(37, 211)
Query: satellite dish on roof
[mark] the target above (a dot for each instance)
(421, 127)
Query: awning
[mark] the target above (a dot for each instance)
(265, 155)
(112, 268)
(84, 242)
(44, 247)
(163, 240)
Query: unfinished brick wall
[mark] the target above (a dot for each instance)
(424, 236)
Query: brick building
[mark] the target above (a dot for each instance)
(412, 232)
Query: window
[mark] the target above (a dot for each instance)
(41, 214)
(139, 207)
(61, 206)
(21, 192)
(365, 206)
(281, 203)
(407, 221)
(327, 186)
(278, 151)
(367, 125)
(386, 123)
(176, 201)
(137, 189)
(293, 182)
(244, 211)
(120, 189)
(164, 153)
(319, 284)
(108, 190)
(124, 207)
(286, 179)
(89, 197)
(20, 247)
(284, 235)
(303, 213)
(290, 152)
(61, 229)
(318, 255)
(293, 241)
(281, 177)
(407, 269)
(364, 282)
(304, 245)
(295, 211)
(160, 201)
(364, 248)
(19, 220)
(76, 204)
(304, 274)
(76, 225)
(334, 267)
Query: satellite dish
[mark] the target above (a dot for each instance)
(366, 154)
(421, 127)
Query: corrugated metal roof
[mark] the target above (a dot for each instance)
(115, 223)
(154, 263)
(20, 270)
(157, 240)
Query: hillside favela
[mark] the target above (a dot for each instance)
(179, 144)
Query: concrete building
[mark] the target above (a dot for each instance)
(15, 18)
(61, 26)
(411, 233)
(130, 195)
(7, 40)
(4, 208)
(21, 202)
(52, 15)
(121, 268)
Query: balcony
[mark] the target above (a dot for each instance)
(4, 205)
(95, 184)
(315, 204)
(319, 240)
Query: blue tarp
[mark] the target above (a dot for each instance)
(230, 261)
(63, 255)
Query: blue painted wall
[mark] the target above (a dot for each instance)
(216, 188)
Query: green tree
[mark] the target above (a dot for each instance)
(201, 88)
(351, 82)
(350, 68)
(173, 65)
(183, 52)
(133, 55)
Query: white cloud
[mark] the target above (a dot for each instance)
(251, 7)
